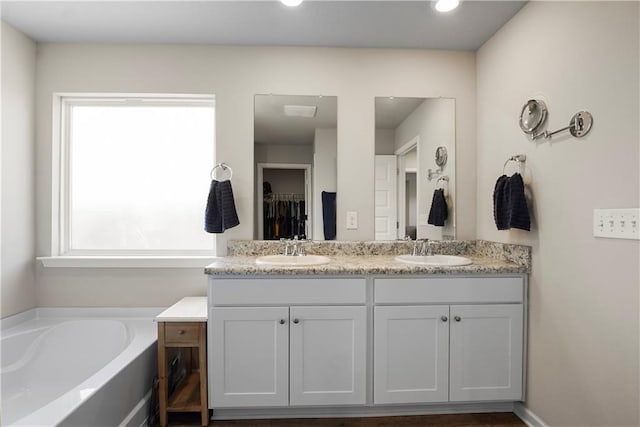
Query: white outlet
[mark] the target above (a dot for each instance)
(352, 220)
(617, 223)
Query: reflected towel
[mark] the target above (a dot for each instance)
(329, 215)
(510, 208)
(220, 214)
(439, 209)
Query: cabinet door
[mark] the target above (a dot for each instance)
(249, 358)
(486, 352)
(411, 354)
(328, 355)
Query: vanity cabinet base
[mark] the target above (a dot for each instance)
(366, 346)
(361, 411)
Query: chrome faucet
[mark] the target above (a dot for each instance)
(294, 247)
(287, 246)
(425, 247)
(301, 249)
(415, 252)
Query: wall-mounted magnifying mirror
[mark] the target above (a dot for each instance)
(441, 156)
(532, 116)
(295, 149)
(408, 131)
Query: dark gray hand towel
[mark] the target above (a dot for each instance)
(329, 215)
(500, 213)
(510, 208)
(220, 214)
(439, 210)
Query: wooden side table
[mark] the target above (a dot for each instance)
(184, 326)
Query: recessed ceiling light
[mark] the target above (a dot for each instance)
(291, 3)
(300, 110)
(446, 5)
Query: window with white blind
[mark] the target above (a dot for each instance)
(134, 175)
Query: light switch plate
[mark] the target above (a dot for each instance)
(617, 223)
(352, 220)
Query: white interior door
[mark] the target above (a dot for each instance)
(249, 362)
(411, 354)
(328, 355)
(386, 198)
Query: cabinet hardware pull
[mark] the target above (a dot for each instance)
(181, 332)
(282, 321)
(458, 318)
(296, 321)
(444, 318)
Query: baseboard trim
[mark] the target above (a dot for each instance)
(527, 416)
(359, 411)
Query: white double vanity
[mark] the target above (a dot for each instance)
(365, 334)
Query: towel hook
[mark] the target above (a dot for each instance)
(224, 166)
(519, 158)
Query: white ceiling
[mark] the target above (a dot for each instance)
(391, 111)
(323, 23)
(271, 126)
(360, 24)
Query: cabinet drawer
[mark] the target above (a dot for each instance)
(450, 290)
(287, 291)
(181, 333)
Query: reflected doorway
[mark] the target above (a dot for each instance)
(284, 200)
(408, 189)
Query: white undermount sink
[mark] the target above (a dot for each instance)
(288, 260)
(434, 260)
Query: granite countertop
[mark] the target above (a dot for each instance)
(369, 258)
(359, 265)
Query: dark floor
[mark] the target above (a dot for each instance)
(504, 419)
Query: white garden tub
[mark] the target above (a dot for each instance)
(78, 367)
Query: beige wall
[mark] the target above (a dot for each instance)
(235, 75)
(434, 122)
(384, 141)
(583, 321)
(283, 153)
(18, 172)
(324, 175)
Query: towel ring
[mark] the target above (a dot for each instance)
(444, 179)
(519, 158)
(224, 166)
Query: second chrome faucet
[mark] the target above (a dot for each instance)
(422, 247)
(294, 247)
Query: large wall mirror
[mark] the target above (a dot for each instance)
(295, 149)
(415, 168)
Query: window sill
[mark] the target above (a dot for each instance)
(126, 261)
